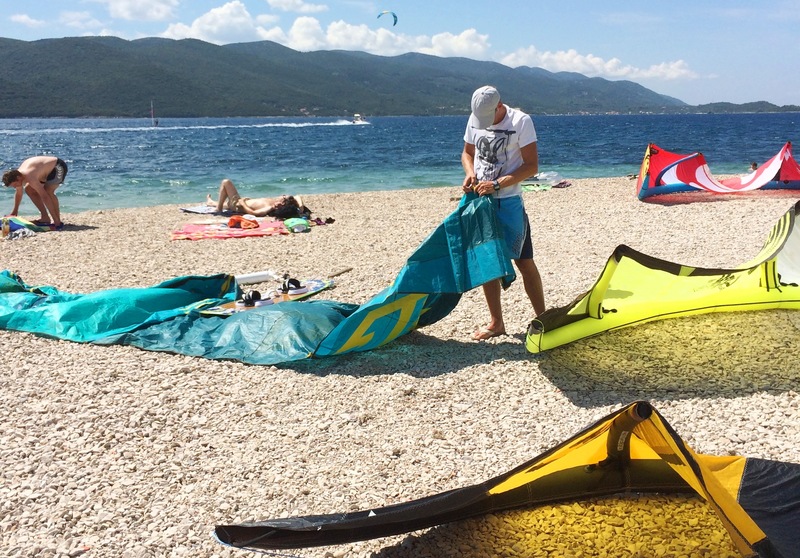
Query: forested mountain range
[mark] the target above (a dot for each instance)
(112, 77)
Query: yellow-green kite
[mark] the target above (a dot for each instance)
(636, 288)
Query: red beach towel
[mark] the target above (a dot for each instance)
(200, 231)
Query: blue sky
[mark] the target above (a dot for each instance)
(699, 51)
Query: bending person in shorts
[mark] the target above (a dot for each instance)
(39, 177)
(282, 207)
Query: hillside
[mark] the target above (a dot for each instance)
(107, 76)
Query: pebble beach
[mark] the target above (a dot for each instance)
(111, 451)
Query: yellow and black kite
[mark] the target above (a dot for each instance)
(631, 450)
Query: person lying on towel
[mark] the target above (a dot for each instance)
(281, 207)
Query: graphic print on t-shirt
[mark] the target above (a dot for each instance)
(491, 150)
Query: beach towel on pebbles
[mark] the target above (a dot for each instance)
(206, 231)
(15, 228)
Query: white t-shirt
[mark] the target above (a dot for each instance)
(498, 148)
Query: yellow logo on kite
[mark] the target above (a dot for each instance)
(406, 307)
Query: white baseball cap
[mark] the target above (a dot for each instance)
(484, 105)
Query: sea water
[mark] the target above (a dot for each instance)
(132, 163)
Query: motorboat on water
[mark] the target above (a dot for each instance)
(359, 119)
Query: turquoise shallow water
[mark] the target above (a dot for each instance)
(130, 163)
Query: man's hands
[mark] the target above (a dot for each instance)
(482, 188)
(469, 183)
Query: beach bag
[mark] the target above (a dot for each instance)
(297, 224)
(242, 222)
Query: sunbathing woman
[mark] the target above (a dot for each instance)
(281, 207)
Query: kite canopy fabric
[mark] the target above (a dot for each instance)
(95, 316)
(465, 251)
(664, 172)
(636, 288)
(631, 450)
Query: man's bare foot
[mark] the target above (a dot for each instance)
(485, 332)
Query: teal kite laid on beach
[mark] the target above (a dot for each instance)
(466, 250)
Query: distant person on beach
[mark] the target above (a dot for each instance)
(39, 177)
(500, 151)
(753, 166)
(281, 207)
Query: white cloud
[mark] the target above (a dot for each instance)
(275, 34)
(141, 10)
(233, 23)
(79, 20)
(27, 21)
(594, 66)
(267, 19)
(230, 23)
(297, 6)
(345, 36)
(306, 34)
(468, 43)
(677, 69)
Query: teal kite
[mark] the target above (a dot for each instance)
(463, 252)
(394, 16)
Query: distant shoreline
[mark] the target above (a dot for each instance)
(162, 117)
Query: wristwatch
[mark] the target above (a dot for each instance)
(496, 185)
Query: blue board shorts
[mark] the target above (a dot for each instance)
(516, 227)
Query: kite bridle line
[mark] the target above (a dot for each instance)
(271, 553)
(255, 550)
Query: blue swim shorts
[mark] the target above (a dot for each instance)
(516, 227)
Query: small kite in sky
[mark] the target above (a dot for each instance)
(394, 15)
